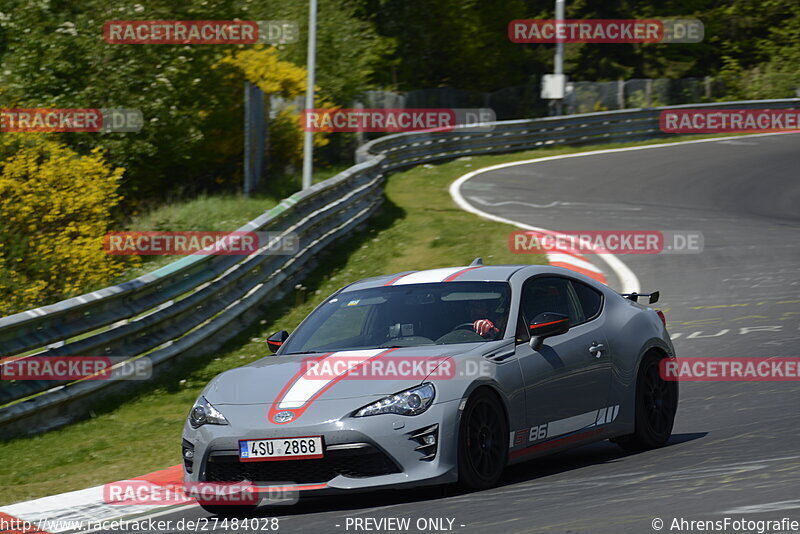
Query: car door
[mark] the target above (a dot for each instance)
(568, 380)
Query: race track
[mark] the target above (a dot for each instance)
(736, 448)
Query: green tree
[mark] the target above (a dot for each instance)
(52, 54)
(456, 43)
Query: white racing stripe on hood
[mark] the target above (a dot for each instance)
(304, 388)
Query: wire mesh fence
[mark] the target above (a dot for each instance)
(524, 101)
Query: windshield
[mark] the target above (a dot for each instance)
(405, 316)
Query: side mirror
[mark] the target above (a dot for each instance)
(546, 325)
(276, 340)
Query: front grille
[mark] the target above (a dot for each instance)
(362, 462)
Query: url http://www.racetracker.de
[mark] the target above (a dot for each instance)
(202, 524)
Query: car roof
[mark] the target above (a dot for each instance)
(470, 273)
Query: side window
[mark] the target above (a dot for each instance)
(590, 299)
(549, 294)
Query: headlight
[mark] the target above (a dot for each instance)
(412, 401)
(203, 413)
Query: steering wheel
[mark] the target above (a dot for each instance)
(463, 326)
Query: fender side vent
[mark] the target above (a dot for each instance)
(426, 440)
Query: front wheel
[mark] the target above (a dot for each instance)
(656, 404)
(482, 442)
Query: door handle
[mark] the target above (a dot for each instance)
(597, 349)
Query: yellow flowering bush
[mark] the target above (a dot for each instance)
(55, 208)
(261, 66)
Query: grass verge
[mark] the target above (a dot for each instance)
(418, 227)
(207, 213)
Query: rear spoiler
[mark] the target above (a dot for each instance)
(635, 296)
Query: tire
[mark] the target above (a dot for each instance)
(482, 442)
(656, 404)
(235, 510)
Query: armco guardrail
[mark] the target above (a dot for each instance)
(407, 149)
(195, 304)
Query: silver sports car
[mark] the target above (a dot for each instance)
(438, 376)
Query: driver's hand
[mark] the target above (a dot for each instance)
(484, 326)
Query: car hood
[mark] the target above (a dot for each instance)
(324, 376)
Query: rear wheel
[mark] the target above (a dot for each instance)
(482, 442)
(236, 510)
(656, 404)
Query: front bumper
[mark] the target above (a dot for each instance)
(360, 452)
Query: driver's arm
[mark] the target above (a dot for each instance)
(484, 327)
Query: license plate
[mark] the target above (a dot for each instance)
(261, 450)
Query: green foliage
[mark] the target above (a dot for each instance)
(349, 49)
(455, 43)
(639, 100)
(765, 60)
(55, 208)
(261, 66)
(464, 44)
(52, 54)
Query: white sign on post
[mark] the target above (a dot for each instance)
(553, 86)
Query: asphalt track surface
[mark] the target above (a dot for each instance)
(736, 447)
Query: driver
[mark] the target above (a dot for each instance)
(480, 314)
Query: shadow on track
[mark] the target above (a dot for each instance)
(600, 453)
